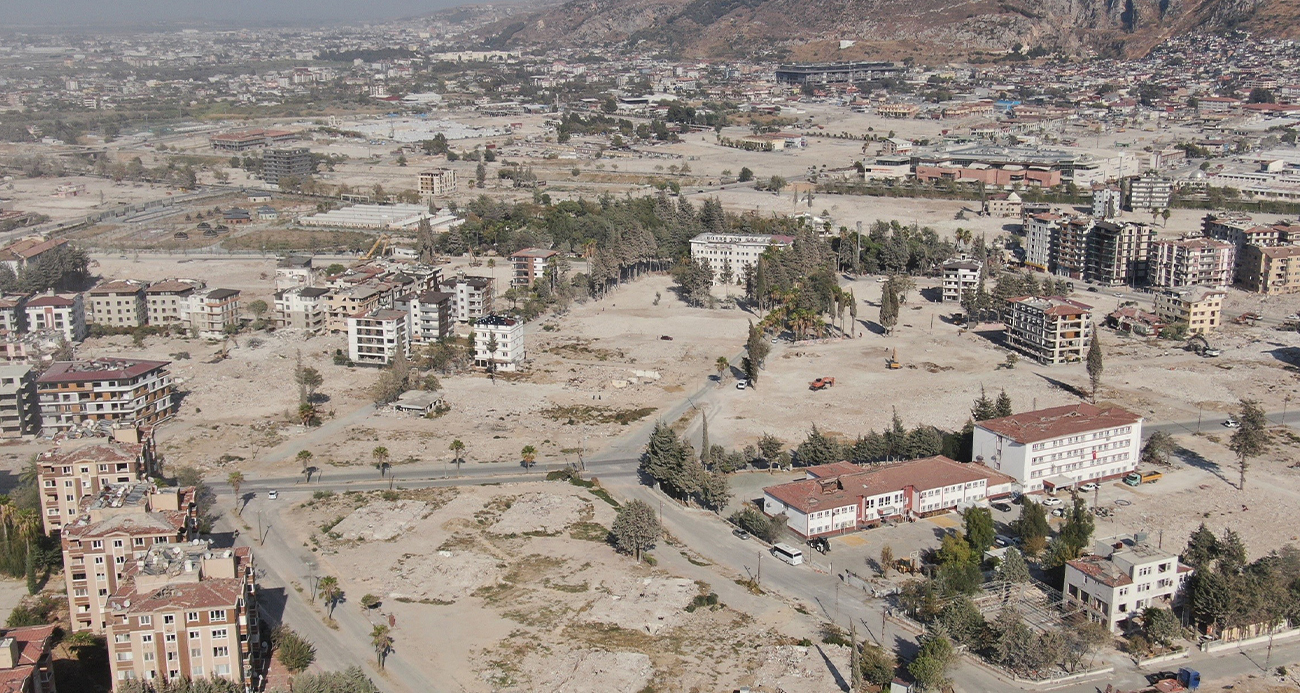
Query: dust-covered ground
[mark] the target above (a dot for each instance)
(515, 588)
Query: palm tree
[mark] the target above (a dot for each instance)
(380, 456)
(722, 364)
(457, 448)
(236, 479)
(529, 454)
(330, 592)
(381, 639)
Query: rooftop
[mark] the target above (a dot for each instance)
(845, 488)
(1056, 422)
(98, 369)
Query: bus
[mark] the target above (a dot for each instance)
(787, 553)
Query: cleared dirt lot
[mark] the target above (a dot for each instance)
(513, 588)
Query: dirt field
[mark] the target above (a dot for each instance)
(525, 591)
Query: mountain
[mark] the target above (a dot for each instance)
(927, 30)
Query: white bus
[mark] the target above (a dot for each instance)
(787, 553)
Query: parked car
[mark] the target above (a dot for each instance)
(1232, 422)
(1051, 501)
(1092, 289)
(1004, 507)
(741, 534)
(742, 384)
(273, 494)
(1090, 486)
(1004, 540)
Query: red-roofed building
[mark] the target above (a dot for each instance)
(63, 313)
(67, 475)
(26, 665)
(843, 497)
(113, 390)
(1123, 576)
(1060, 446)
(25, 251)
(531, 264)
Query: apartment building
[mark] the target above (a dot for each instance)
(1269, 270)
(1122, 577)
(736, 252)
(1070, 248)
(530, 265)
(118, 303)
(28, 251)
(1041, 236)
(1147, 194)
(112, 390)
(960, 276)
(303, 308)
(1049, 330)
(71, 473)
(167, 301)
(63, 313)
(13, 313)
(1107, 200)
(1239, 229)
(26, 659)
(430, 315)
(506, 335)
(20, 415)
(211, 311)
(355, 300)
(374, 338)
(1191, 262)
(187, 610)
(116, 528)
(1117, 253)
(439, 181)
(1003, 205)
(283, 163)
(294, 272)
(473, 296)
(1060, 446)
(844, 497)
(1199, 308)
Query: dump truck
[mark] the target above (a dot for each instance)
(1139, 478)
(821, 384)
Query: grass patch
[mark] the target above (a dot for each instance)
(435, 602)
(300, 239)
(532, 567)
(329, 526)
(582, 350)
(563, 587)
(588, 531)
(604, 495)
(610, 637)
(751, 585)
(693, 560)
(575, 414)
(704, 601)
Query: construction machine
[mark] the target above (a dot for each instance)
(381, 245)
(821, 384)
(892, 363)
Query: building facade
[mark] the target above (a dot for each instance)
(1269, 270)
(167, 301)
(303, 308)
(506, 335)
(20, 414)
(1117, 253)
(110, 390)
(211, 311)
(1199, 308)
(1192, 262)
(374, 338)
(430, 316)
(1061, 445)
(118, 304)
(530, 265)
(68, 476)
(26, 659)
(473, 296)
(1149, 194)
(1049, 330)
(439, 181)
(1122, 577)
(63, 313)
(960, 276)
(283, 163)
(735, 252)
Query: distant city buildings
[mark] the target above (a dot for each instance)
(253, 138)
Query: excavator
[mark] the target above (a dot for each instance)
(381, 245)
(892, 363)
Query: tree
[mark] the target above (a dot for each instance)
(1158, 448)
(1161, 626)
(930, 667)
(770, 446)
(292, 650)
(889, 306)
(979, 528)
(1013, 567)
(369, 602)
(380, 456)
(886, 559)
(984, 408)
(1095, 365)
(1251, 437)
(715, 491)
(636, 529)
(236, 479)
(818, 448)
(330, 592)
(381, 638)
(721, 364)
(1078, 527)
(1202, 548)
(457, 449)
(1032, 524)
(309, 379)
(877, 666)
(258, 308)
(29, 570)
(304, 458)
(1003, 406)
(308, 415)
(528, 455)
(746, 175)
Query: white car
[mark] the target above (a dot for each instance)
(272, 495)
(1051, 501)
(1090, 486)
(1232, 423)
(742, 384)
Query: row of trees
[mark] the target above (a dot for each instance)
(1227, 591)
(63, 267)
(673, 464)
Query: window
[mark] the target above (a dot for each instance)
(122, 637)
(96, 544)
(191, 617)
(196, 653)
(125, 656)
(146, 620)
(221, 670)
(217, 615)
(148, 655)
(117, 543)
(169, 619)
(170, 638)
(221, 652)
(218, 633)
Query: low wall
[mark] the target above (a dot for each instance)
(1218, 646)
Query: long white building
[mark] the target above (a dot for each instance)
(1060, 446)
(719, 251)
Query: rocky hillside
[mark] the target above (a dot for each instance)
(814, 29)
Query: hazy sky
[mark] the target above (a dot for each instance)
(94, 13)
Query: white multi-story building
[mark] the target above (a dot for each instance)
(294, 272)
(303, 308)
(1060, 446)
(1192, 262)
(508, 335)
(211, 311)
(20, 414)
(960, 276)
(844, 497)
(118, 304)
(168, 300)
(375, 337)
(439, 181)
(1040, 238)
(65, 313)
(473, 296)
(1200, 308)
(722, 251)
(125, 391)
(1106, 201)
(1049, 330)
(430, 315)
(1149, 193)
(1123, 576)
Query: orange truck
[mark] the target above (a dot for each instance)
(821, 384)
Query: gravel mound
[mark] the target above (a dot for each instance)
(382, 520)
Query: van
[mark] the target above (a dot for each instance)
(787, 553)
